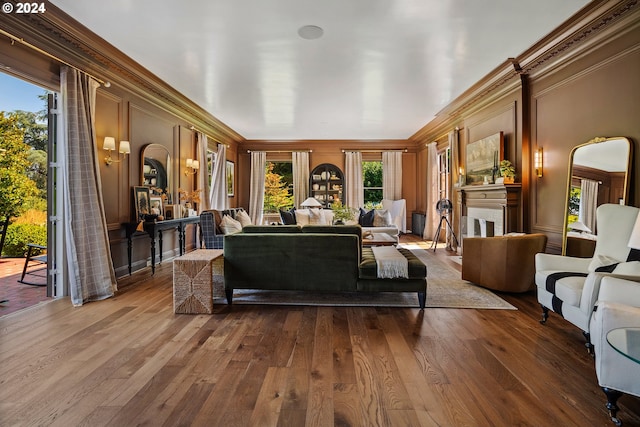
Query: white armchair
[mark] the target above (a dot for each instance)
(569, 286)
(618, 306)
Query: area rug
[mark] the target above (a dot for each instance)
(445, 289)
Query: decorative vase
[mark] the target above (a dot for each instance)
(508, 180)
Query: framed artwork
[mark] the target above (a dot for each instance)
(231, 175)
(483, 159)
(142, 201)
(155, 203)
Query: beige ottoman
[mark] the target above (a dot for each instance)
(193, 276)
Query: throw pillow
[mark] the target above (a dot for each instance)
(288, 217)
(328, 216)
(302, 217)
(217, 219)
(601, 261)
(381, 218)
(230, 225)
(631, 268)
(243, 217)
(316, 217)
(366, 218)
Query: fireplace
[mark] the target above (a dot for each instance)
(490, 210)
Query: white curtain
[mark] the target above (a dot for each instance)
(588, 203)
(300, 160)
(455, 177)
(256, 192)
(432, 218)
(354, 196)
(203, 173)
(90, 267)
(218, 198)
(392, 175)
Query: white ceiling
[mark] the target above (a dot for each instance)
(382, 69)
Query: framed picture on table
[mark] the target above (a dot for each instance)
(142, 201)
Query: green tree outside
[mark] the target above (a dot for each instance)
(17, 190)
(276, 193)
(372, 176)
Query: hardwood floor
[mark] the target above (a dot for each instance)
(129, 360)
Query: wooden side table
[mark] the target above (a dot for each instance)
(193, 276)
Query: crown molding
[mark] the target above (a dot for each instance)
(597, 22)
(68, 41)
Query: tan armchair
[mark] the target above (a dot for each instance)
(502, 263)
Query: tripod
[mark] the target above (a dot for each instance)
(443, 207)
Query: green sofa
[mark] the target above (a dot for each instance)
(314, 258)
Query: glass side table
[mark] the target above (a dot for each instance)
(625, 341)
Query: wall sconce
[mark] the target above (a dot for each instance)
(192, 167)
(110, 145)
(537, 161)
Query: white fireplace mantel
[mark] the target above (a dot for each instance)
(498, 203)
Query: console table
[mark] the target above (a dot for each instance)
(154, 230)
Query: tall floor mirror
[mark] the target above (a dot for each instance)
(598, 173)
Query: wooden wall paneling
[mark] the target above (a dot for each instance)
(114, 176)
(571, 108)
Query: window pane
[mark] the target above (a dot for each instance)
(278, 186)
(372, 176)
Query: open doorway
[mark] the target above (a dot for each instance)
(25, 145)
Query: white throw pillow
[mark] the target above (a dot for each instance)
(243, 217)
(328, 216)
(229, 225)
(601, 261)
(316, 217)
(382, 218)
(631, 268)
(302, 217)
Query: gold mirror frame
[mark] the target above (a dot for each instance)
(156, 168)
(598, 148)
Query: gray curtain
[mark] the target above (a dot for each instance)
(588, 203)
(353, 179)
(392, 175)
(432, 218)
(203, 173)
(90, 267)
(256, 192)
(218, 198)
(300, 160)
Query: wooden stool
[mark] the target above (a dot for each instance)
(193, 281)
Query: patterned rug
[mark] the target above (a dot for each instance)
(445, 289)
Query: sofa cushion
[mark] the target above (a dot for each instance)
(230, 225)
(366, 218)
(272, 229)
(335, 229)
(382, 218)
(288, 217)
(368, 267)
(316, 217)
(243, 218)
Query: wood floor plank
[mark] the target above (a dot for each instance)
(130, 360)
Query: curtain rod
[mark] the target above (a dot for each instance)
(403, 150)
(581, 178)
(282, 151)
(47, 54)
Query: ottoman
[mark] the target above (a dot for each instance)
(193, 276)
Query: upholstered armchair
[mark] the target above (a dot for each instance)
(618, 306)
(502, 263)
(569, 286)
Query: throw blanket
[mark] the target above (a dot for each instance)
(390, 262)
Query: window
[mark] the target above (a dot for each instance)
(372, 176)
(444, 173)
(278, 186)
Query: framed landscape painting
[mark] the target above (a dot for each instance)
(231, 174)
(482, 157)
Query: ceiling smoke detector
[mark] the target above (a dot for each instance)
(310, 32)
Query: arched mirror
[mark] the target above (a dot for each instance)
(156, 168)
(598, 174)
